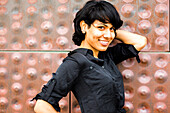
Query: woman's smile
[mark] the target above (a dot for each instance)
(103, 42)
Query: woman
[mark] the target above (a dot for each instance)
(90, 71)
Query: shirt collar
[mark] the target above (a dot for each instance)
(83, 51)
(89, 54)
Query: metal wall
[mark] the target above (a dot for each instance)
(35, 35)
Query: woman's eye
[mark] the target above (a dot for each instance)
(112, 29)
(101, 27)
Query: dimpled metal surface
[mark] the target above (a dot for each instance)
(35, 36)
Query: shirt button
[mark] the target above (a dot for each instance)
(53, 81)
(91, 67)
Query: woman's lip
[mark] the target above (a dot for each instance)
(103, 42)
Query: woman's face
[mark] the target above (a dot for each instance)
(99, 35)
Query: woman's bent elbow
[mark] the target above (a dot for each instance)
(42, 106)
(37, 107)
(143, 42)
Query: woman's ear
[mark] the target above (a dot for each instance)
(83, 26)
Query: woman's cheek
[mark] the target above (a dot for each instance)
(113, 35)
(98, 33)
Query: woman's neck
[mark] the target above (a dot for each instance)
(95, 52)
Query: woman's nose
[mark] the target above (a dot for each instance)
(107, 34)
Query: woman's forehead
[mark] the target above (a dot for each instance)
(102, 23)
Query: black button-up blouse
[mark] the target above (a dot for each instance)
(96, 82)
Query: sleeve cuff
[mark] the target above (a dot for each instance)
(135, 52)
(46, 95)
(50, 100)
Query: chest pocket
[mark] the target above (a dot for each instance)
(96, 76)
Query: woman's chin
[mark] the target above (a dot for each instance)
(103, 49)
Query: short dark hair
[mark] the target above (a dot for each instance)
(95, 10)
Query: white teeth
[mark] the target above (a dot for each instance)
(104, 43)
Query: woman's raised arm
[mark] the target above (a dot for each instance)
(136, 40)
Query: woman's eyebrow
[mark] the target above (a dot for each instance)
(103, 24)
(107, 25)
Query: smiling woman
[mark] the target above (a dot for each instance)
(94, 10)
(90, 71)
(98, 36)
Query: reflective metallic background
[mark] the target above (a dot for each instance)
(35, 36)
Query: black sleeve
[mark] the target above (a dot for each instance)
(60, 84)
(122, 52)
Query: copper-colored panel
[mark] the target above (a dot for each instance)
(160, 107)
(47, 25)
(3, 2)
(4, 89)
(3, 102)
(16, 14)
(151, 83)
(144, 107)
(150, 79)
(46, 43)
(4, 59)
(129, 92)
(3, 10)
(62, 9)
(31, 73)
(3, 42)
(31, 42)
(46, 12)
(161, 76)
(16, 73)
(144, 76)
(63, 1)
(144, 11)
(17, 88)
(129, 107)
(62, 42)
(3, 30)
(160, 93)
(75, 108)
(16, 43)
(129, 62)
(31, 10)
(144, 92)
(128, 75)
(30, 28)
(144, 26)
(127, 10)
(64, 105)
(46, 58)
(47, 21)
(16, 27)
(128, 1)
(32, 1)
(62, 28)
(3, 73)
(16, 105)
(17, 58)
(28, 72)
(29, 105)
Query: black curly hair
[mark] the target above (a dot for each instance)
(95, 10)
